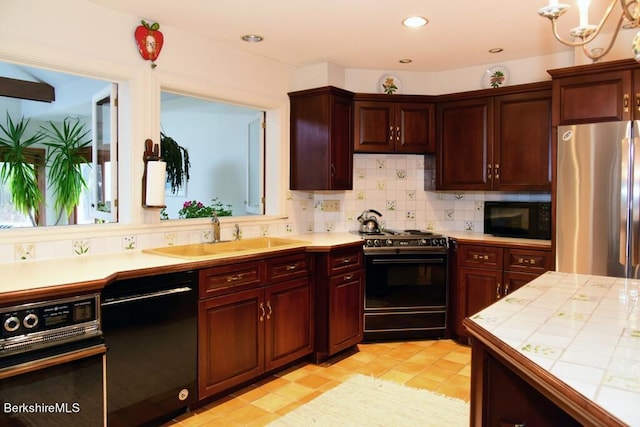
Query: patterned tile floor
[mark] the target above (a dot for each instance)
(442, 366)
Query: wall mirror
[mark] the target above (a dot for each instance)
(225, 145)
(53, 123)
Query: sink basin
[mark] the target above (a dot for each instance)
(226, 248)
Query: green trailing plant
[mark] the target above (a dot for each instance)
(66, 144)
(17, 170)
(177, 159)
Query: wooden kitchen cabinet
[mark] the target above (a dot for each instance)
(321, 131)
(339, 297)
(484, 274)
(495, 140)
(508, 400)
(394, 124)
(600, 92)
(254, 324)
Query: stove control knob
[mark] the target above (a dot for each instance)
(30, 321)
(11, 323)
(389, 242)
(368, 242)
(376, 242)
(424, 242)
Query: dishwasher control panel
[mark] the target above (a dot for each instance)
(48, 322)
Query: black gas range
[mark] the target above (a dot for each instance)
(406, 284)
(404, 240)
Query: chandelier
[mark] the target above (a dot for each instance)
(585, 33)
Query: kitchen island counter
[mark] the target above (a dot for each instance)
(573, 338)
(85, 273)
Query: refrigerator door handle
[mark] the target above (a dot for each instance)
(624, 198)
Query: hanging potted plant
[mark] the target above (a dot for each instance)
(66, 147)
(17, 170)
(177, 159)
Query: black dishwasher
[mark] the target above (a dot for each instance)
(150, 328)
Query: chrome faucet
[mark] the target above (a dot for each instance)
(216, 227)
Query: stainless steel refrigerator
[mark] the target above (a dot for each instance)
(598, 193)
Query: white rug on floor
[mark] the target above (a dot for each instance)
(367, 401)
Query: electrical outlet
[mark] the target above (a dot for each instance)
(331, 205)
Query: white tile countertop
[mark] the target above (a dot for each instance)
(30, 275)
(584, 330)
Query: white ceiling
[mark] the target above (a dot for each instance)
(367, 34)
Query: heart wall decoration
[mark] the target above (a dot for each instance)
(149, 40)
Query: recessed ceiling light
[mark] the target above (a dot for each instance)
(414, 21)
(496, 50)
(406, 61)
(252, 38)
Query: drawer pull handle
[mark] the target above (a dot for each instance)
(348, 277)
(346, 260)
(234, 278)
(498, 290)
(506, 289)
(262, 312)
(625, 102)
(291, 267)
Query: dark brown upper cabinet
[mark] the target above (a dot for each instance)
(601, 92)
(321, 139)
(496, 139)
(394, 124)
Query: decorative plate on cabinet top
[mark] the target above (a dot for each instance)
(495, 77)
(389, 84)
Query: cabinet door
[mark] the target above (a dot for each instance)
(230, 340)
(289, 322)
(514, 281)
(477, 288)
(340, 145)
(415, 132)
(465, 130)
(374, 130)
(522, 142)
(346, 310)
(320, 139)
(593, 97)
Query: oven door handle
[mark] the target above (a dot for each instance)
(407, 261)
(150, 295)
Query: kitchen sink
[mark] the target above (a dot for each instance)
(226, 248)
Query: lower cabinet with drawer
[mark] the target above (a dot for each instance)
(339, 298)
(484, 274)
(254, 316)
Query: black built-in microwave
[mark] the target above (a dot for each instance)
(529, 220)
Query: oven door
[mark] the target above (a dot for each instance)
(62, 386)
(405, 294)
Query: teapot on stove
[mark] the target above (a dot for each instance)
(369, 223)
